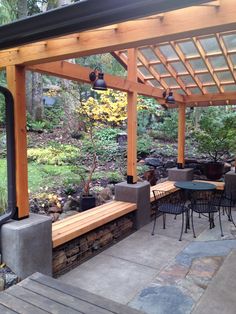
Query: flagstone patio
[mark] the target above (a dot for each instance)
(158, 274)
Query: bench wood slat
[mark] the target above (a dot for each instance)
(67, 233)
(92, 219)
(89, 213)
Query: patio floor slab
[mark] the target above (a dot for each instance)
(158, 274)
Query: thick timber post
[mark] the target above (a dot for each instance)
(181, 136)
(16, 84)
(132, 119)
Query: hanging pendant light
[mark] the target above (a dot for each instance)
(98, 79)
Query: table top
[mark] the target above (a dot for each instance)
(195, 186)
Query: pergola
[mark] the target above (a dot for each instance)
(190, 50)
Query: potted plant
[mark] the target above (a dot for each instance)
(216, 139)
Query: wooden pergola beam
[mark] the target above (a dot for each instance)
(128, 34)
(214, 97)
(79, 73)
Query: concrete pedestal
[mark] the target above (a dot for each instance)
(138, 193)
(175, 174)
(26, 245)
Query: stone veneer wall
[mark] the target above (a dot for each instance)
(76, 251)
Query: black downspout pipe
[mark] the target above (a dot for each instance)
(11, 162)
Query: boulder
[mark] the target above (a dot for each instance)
(153, 162)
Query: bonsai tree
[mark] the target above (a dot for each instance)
(216, 137)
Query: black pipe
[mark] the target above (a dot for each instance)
(81, 16)
(11, 162)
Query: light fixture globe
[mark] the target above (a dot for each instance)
(100, 84)
(97, 78)
(170, 98)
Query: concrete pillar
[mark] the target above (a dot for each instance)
(175, 174)
(26, 245)
(138, 193)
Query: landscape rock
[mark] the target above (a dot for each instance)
(154, 162)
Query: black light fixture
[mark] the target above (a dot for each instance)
(97, 78)
(170, 98)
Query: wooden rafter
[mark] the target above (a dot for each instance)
(188, 66)
(153, 72)
(170, 69)
(208, 64)
(225, 53)
(78, 73)
(129, 34)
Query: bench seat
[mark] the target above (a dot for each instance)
(83, 222)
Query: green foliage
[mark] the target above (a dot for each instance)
(168, 128)
(141, 169)
(144, 145)
(3, 199)
(217, 134)
(55, 154)
(107, 134)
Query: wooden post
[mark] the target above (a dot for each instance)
(181, 136)
(132, 119)
(16, 84)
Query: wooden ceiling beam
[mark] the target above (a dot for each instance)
(79, 73)
(214, 97)
(175, 25)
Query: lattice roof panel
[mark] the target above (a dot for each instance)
(197, 65)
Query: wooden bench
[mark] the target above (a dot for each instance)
(81, 223)
(41, 294)
(169, 187)
(166, 186)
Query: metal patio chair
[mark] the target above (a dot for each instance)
(202, 202)
(165, 203)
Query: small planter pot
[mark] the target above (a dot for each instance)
(87, 202)
(214, 170)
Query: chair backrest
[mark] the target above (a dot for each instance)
(162, 197)
(202, 199)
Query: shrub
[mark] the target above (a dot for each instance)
(144, 145)
(107, 134)
(55, 154)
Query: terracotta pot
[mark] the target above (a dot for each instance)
(214, 170)
(87, 202)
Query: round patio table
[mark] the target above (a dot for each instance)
(195, 186)
(190, 186)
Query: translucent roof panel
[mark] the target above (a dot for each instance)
(171, 82)
(233, 59)
(229, 88)
(179, 67)
(179, 91)
(149, 54)
(168, 52)
(195, 90)
(198, 64)
(230, 41)
(144, 71)
(210, 44)
(188, 48)
(218, 62)
(205, 78)
(212, 89)
(187, 80)
(225, 76)
(160, 68)
(154, 83)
